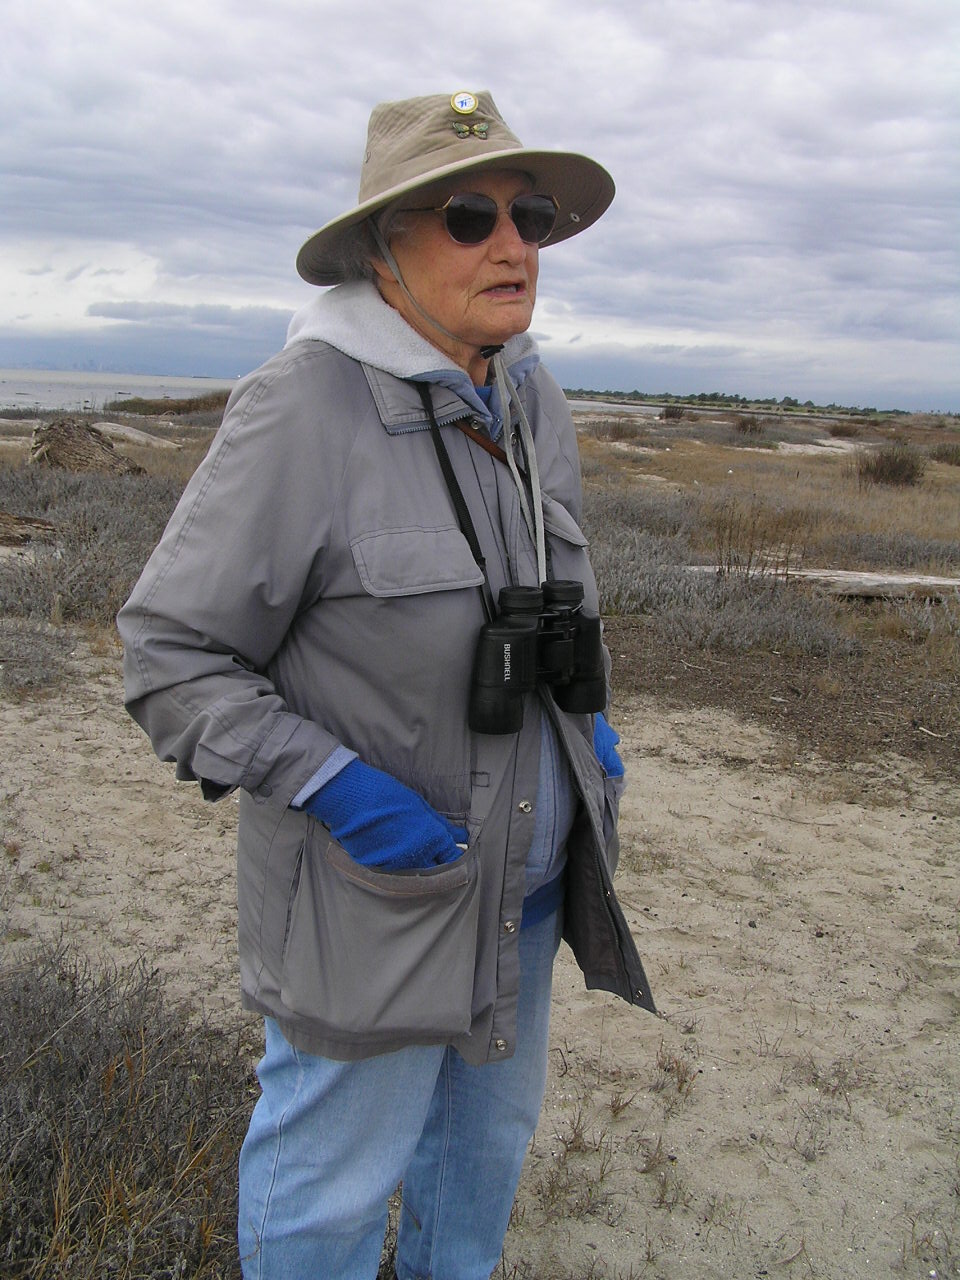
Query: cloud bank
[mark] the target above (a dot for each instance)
(788, 178)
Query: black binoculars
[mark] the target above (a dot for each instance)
(540, 636)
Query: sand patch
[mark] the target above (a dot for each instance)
(793, 1111)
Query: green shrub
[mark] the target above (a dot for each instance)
(673, 412)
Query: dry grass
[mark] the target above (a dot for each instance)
(817, 492)
(848, 679)
(120, 1120)
(891, 464)
(194, 408)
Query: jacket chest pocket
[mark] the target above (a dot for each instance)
(414, 560)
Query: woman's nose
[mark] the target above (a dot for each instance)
(505, 242)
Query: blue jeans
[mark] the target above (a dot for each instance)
(329, 1141)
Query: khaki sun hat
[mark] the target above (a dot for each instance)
(419, 141)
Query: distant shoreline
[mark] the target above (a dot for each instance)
(79, 390)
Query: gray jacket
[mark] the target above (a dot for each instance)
(313, 589)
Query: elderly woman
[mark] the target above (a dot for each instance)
(427, 784)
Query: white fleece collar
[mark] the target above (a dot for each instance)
(355, 319)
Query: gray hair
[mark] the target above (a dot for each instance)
(358, 248)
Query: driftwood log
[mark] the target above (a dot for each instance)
(857, 584)
(16, 530)
(71, 446)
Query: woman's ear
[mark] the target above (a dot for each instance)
(381, 271)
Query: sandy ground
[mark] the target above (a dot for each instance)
(794, 1109)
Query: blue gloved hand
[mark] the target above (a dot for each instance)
(382, 823)
(605, 741)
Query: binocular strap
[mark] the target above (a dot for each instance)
(459, 501)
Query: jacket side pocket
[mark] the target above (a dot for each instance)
(377, 954)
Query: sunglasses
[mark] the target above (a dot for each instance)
(471, 217)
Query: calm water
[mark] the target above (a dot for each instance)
(53, 389)
(618, 407)
(67, 389)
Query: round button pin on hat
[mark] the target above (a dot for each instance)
(464, 103)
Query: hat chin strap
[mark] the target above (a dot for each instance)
(508, 396)
(391, 262)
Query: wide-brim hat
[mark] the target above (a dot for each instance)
(420, 141)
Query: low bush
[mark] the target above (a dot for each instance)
(641, 554)
(727, 612)
(15, 414)
(892, 551)
(894, 464)
(750, 536)
(673, 412)
(749, 425)
(667, 513)
(925, 620)
(213, 402)
(33, 656)
(948, 452)
(621, 428)
(120, 1124)
(105, 528)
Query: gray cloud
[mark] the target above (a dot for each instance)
(198, 316)
(787, 173)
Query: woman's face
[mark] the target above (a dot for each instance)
(483, 293)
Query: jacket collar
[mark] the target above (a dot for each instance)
(354, 319)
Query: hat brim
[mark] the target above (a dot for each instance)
(582, 188)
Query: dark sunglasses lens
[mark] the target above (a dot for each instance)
(471, 218)
(534, 217)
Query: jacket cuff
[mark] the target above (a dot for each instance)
(335, 761)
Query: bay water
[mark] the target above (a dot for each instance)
(74, 391)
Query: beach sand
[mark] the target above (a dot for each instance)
(793, 1111)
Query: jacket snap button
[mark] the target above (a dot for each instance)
(509, 926)
(500, 1045)
(525, 806)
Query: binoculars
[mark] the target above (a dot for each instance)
(540, 636)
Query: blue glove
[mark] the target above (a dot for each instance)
(605, 742)
(382, 823)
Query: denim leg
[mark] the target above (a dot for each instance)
(327, 1144)
(459, 1187)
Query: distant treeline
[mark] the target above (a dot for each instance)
(721, 400)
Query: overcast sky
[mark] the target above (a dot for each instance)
(787, 219)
